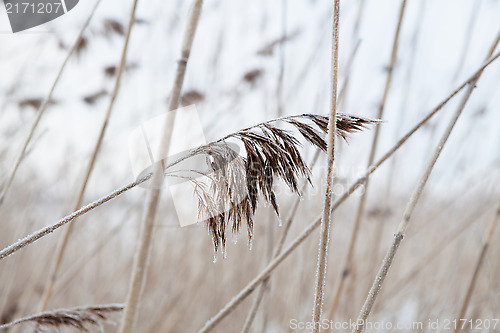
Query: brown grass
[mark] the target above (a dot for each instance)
(237, 182)
(445, 268)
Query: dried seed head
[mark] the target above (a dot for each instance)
(234, 183)
(79, 318)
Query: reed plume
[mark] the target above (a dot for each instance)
(80, 318)
(230, 195)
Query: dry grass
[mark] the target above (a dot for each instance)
(131, 251)
(79, 318)
(236, 182)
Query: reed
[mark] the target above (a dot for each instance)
(132, 251)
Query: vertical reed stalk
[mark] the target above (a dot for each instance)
(61, 247)
(341, 102)
(326, 219)
(412, 203)
(33, 237)
(153, 197)
(44, 105)
(347, 266)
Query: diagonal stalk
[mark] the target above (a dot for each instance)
(412, 203)
(9, 250)
(433, 254)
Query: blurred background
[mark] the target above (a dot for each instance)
(251, 62)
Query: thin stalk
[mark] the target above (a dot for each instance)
(347, 267)
(431, 255)
(477, 268)
(61, 247)
(68, 218)
(44, 105)
(342, 104)
(245, 292)
(412, 203)
(326, 220)
(16, 246)
(153, 197)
